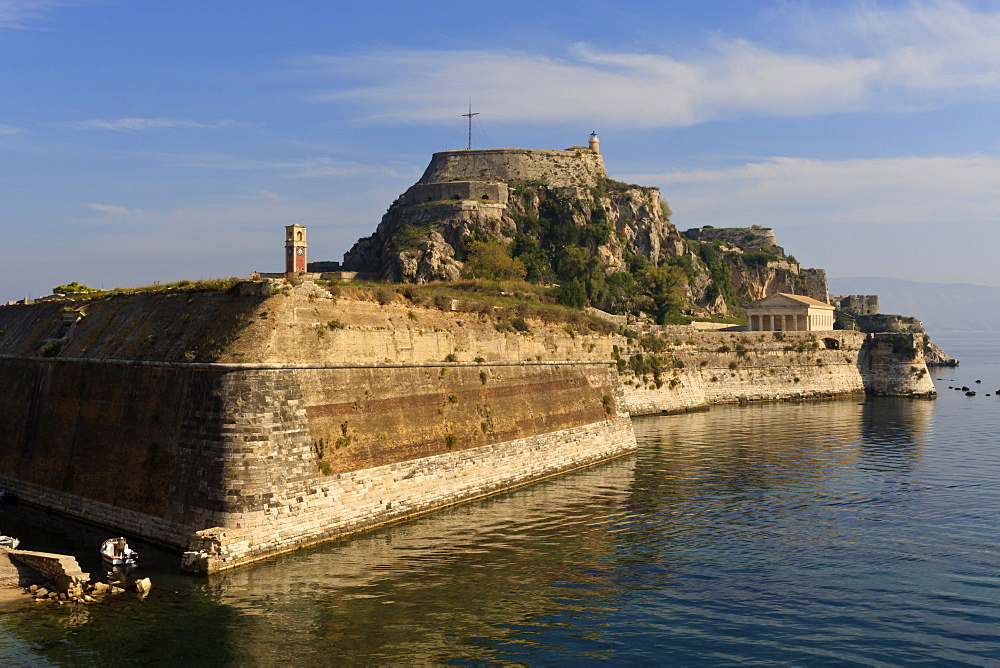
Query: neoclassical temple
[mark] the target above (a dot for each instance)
(783, 312)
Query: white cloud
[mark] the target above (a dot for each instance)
(271, 196)
(920, 54)
(9, 130)
(143, 124)
(111, 209)
(784, 191)
(17, 14)
(300, 168)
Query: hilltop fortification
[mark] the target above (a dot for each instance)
(575, 167)
(560, 214)
(503, 195)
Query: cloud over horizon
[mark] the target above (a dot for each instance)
(917, 56)
(144, 124)
(799, 191)
(16, 14)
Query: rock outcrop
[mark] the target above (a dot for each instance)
(935, 356)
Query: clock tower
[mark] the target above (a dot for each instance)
(295, 249)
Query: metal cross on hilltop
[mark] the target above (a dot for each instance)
(470, 115)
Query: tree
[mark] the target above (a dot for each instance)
(571, 294)
(492, 261)
(621, 291)
(72, 287)
(662, 290)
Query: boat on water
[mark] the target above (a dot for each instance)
(9, 541)
(116, 552)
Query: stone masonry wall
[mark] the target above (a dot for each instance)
(165, 450)
(894, 364)
(581, 167)
(723, 367)
(327, 507)
(61, 570)
(324, 416)
(422, 193)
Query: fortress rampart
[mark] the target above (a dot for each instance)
(488, 191)
(734, 367)
(578, 167)
(320, 417)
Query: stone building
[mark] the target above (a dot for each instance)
(860, 304)
(782, 312)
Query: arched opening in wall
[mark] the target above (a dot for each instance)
(831, 344)
(456, 197)
(298, 236)
(486, 196)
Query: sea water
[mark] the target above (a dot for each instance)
(849, 531)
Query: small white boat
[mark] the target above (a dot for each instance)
(116, 552)
(9, 541)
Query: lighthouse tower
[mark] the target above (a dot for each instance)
(595, 143)
(295, 249)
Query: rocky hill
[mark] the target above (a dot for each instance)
(561, 218)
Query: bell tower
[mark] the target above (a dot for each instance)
(295, 249)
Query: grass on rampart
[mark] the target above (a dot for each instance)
(509, 303)
(202, 285)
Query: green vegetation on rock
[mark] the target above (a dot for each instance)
(72, 287)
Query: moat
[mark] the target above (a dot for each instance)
(820, 532)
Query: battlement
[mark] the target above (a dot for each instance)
(580, 167)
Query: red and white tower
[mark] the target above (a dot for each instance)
(295, 249)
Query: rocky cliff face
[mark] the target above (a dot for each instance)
(427, 241)
(757, 282)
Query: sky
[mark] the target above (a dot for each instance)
(146, 142)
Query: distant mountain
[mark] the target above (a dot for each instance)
(942, 307)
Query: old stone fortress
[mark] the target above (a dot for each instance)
(232, 425)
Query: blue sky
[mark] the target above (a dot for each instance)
(144, 142)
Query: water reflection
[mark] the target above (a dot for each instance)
(795, 533)
(414, 589)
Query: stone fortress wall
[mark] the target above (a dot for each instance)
(746, 238)
(332, 429)
(860, 304)
(710, 368)
(325, 416)
(421, 193)
(580, 167)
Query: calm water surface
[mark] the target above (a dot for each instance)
(855, 531)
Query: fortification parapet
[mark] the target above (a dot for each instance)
(577, 167)
(860, 304)
(485, 191)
